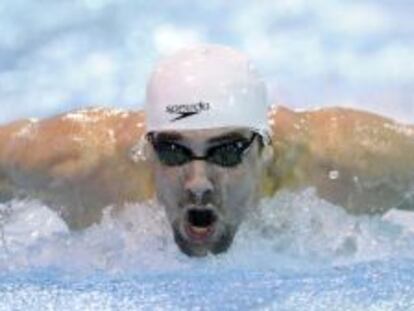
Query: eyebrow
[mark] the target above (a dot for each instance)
(227, 137)
(176, 136)
(169, 136)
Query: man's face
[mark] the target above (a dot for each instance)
(207, 180)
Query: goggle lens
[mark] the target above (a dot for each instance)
(172, 154)
(228, 154)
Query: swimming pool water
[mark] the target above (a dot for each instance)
(296, 252)
(383, 285)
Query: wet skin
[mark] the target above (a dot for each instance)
(81, 162)
(205, 202)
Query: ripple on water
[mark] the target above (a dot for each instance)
(296, 252)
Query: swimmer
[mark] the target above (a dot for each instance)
(209, 148)
(207, 124)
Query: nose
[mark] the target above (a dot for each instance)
(198, 186)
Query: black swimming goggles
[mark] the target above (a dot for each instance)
(228, 154)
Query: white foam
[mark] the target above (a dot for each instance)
(290, 232)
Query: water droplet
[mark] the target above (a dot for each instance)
(333, 175)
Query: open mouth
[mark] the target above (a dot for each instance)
(200, 224)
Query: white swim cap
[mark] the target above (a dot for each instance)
(204, 87)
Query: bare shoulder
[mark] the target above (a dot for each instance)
(69, 143)
(79, 159)
(354, 158)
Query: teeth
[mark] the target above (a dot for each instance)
(199, 230)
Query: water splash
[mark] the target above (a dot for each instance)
(295, 252)
(291, 232)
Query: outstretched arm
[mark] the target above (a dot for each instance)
(355, 159)
(82, 160)
(79, 160)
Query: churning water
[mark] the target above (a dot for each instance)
(295, 252)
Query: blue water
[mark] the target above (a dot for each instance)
(296, 253)
(379, 285)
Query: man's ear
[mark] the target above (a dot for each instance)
(268, 182)
(267, 155)
(141, 151)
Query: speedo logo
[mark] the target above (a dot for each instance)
(185, 111)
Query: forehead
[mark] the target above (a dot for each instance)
(205, 135)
